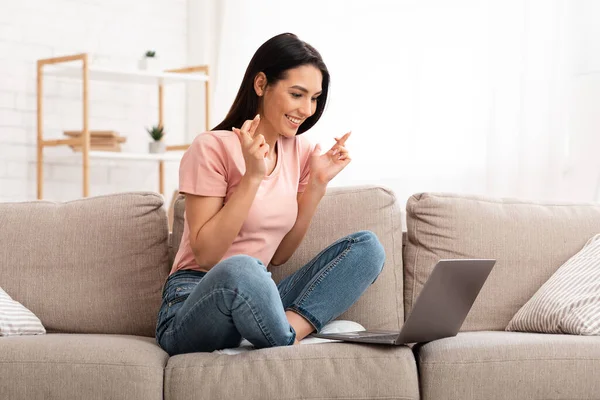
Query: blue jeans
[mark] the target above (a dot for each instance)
(237, 298)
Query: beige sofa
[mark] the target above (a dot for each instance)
(93, 270)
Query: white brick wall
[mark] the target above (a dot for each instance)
(115, 33)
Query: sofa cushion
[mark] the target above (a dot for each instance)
(61, 366)
(510, 365)
(342, 211)
(16, 319)
(94, 265)
(318, 371)
(569, 302)
(529, 241)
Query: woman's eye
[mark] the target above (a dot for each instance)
(314, 99)
(296, 95)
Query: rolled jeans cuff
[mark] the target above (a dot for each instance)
(293, 339)
(315, 322)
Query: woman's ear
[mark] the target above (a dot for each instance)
(260, 84)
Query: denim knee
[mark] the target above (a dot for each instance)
(371, 251)
(241, 271)
(263, 323)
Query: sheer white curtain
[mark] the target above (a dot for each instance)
(462, 96)
(530, 98)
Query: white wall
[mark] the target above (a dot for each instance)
(115, 33)
(204, 33)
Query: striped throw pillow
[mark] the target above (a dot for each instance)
(16, 319)
(569, 302)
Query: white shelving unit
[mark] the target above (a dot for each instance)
(124, 76)
(112, 155)
(56, 67)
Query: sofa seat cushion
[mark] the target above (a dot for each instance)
(63, 366)
(317, 371)
(510, 365)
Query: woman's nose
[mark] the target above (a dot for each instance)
(306, 109)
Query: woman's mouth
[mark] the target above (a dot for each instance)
(295, 122)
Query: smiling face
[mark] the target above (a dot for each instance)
(290, 101)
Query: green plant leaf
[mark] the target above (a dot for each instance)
(156, 132)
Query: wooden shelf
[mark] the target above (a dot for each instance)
(75, 157)
(127, 76)
(118, 155)
(84, 72)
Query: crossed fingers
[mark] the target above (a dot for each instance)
(339, 147)
(248, 129)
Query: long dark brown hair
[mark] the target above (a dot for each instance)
(274, 58)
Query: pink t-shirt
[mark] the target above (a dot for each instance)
(214, 166)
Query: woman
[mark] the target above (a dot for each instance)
(252, 186)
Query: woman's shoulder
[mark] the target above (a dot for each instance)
(214, 136)
(215, 139)
(216, 145)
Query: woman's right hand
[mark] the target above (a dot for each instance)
(254, 148)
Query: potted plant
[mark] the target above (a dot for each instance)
(150, 61)
(157, 145)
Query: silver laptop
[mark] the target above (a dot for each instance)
(440, 309)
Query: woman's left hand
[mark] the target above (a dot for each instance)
(324, 167)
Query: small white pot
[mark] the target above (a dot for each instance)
(149, 64)
(157, 147)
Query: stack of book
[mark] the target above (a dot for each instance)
(99, 140)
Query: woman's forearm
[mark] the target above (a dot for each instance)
(217, 235)
(307, 206)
